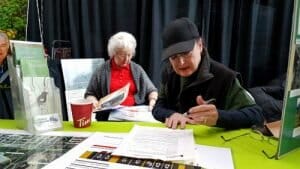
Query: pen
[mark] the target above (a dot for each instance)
(209, 101)
(174, 156)
(212, 100)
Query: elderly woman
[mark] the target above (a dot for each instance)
(6, 108)
(118, 71)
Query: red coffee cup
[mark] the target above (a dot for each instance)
(81, 112)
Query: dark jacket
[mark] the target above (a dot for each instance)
(270, 98)
(211, 80)
(6, 107)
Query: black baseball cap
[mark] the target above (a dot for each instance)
(179, 36)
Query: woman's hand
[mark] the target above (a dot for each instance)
(151, 104)
(94, 100)
(152, 97)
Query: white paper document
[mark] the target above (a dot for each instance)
(132, 113)
(158, 143)
(213, 157)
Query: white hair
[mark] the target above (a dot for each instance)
(121, 40)
(3, 36)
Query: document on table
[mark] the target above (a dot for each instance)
(132, 113)
(97, 152)
(213, 157)
(158, 143)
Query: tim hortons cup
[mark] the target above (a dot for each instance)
(81, 112)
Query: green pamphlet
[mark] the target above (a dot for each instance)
(34, 67)
(25, 49)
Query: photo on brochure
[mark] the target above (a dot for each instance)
(113, 100)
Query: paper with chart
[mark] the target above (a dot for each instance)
(158, 143)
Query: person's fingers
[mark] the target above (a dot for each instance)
(167, 122)
(182, 124)
(200, 100)
(191, 121)
(201, 108)
(174, 124)
(95, 105)
(150, 108)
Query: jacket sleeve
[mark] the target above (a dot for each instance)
(241, 118)
(147, 82)
(240, 111)
(94, 85)
(160, 112)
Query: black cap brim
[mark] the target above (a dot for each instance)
(181, 47)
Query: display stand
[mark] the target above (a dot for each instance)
(290, 122)
(35, 98)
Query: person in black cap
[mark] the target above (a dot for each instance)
(195, 89)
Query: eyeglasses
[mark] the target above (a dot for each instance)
(3, 45)
(181, 55)
(256, 135)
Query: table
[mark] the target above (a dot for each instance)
(246, 151)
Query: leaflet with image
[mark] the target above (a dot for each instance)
(113, 100)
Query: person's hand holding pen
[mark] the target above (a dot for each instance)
(204, 113)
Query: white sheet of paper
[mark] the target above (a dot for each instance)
(158, 143)
(214, 157)
(133, 113)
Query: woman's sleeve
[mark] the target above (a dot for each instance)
(94, 85)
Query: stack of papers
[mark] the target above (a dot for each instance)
(132, 113)
(144, 147)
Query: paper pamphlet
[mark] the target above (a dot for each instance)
(26, 49)
(114, 99)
